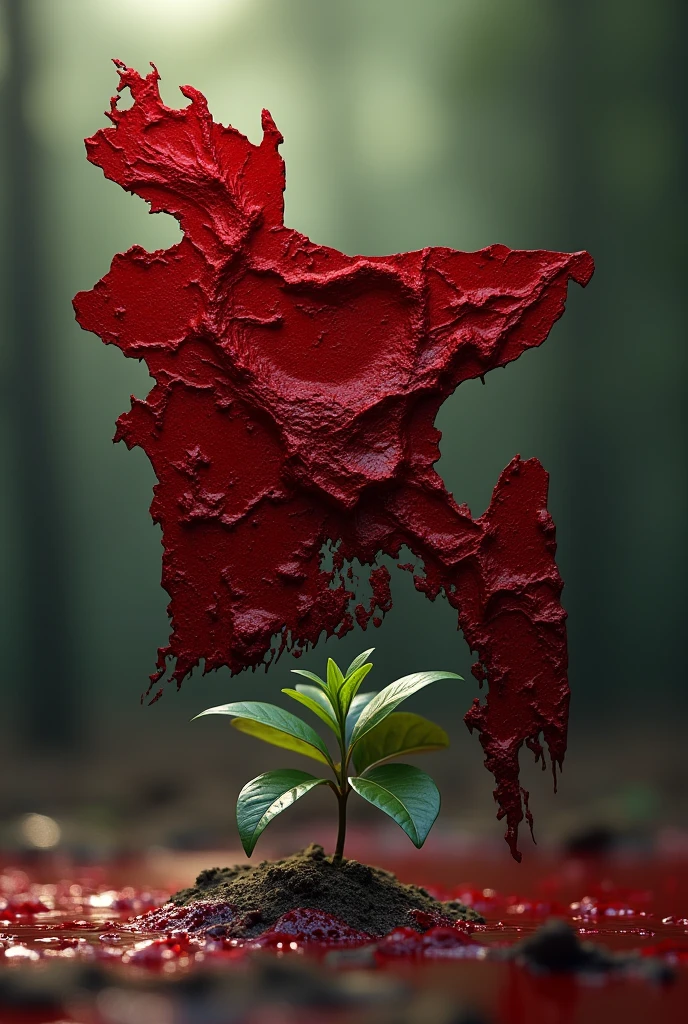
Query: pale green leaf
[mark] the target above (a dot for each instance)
(334, 676)
(314, 706)
(276, 738)
(265, 797)
(310, 675)
(400, 733)
(355, 709)
(358, 661)
(389, 699)
(317, 694)
(280, 728)
(405, 793)
(350, 687)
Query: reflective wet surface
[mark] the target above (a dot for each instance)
(53, 933)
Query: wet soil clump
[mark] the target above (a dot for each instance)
(366, 898)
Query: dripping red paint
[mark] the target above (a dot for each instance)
(296, 390)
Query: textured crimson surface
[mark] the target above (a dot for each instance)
(294, 405)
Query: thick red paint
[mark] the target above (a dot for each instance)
(294, 406)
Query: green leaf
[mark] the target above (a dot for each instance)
(389, 699)
(320, 696)
(357, 662)
(351, 686)
(265, 797)
(334, 676)
(405, 793)
(275, 726)
(276, 738)
(400, 733)
(355, 709)
(314, 706)
(310, 675)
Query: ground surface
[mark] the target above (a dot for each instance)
(69, 955)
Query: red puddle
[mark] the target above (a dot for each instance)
(136, 929)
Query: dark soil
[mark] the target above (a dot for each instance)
(555, 948)
(365, 898)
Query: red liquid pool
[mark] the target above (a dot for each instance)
(92, 919)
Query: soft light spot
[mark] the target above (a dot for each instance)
(175, 16)
(21, 953)
(40, 831)
(103, 899)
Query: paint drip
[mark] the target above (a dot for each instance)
(296, 390)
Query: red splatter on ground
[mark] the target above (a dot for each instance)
(307, 927)
(81, 927)
(440, 942)
(294, 406)
(193, 918)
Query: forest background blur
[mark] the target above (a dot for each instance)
(556, 124)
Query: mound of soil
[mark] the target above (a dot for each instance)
(367, 899)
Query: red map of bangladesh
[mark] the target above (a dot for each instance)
(294, 406)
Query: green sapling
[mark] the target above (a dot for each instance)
(370, 732)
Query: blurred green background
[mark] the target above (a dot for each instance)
(536, 123)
